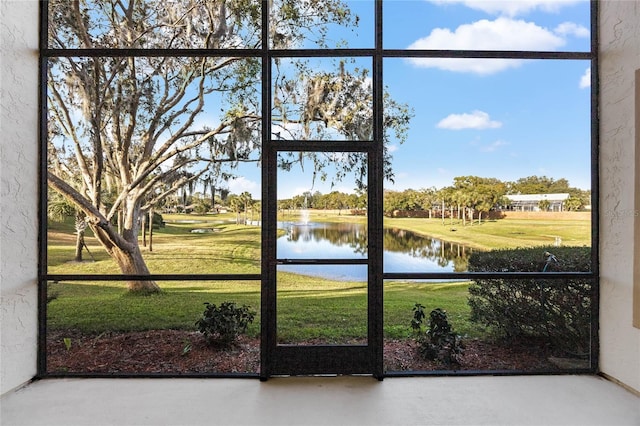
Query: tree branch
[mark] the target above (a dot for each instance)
(94, 217)
(72, 132)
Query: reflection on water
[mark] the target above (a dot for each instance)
(404, 251)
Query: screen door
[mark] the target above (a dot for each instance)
(321, 289)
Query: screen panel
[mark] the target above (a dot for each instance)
(149, 160)
(98, 24)
(95, 328)
(343, 24)
(494, 161)
(322, 99)
(487, 25)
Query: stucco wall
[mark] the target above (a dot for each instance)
(620, 47)
(620, 57)
(18, 192)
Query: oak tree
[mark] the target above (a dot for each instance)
(128, 128)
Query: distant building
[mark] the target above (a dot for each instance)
(531, 202)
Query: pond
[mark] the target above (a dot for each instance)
(404, 251)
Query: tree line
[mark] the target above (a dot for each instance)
(335, 200)
(471, 193)
(473, 196)
(468, 197)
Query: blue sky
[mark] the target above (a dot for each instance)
(506, 119)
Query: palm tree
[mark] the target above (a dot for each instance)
(246, 201)
(236, 204)
(544, 205)
(573, 203)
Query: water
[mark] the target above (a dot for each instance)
(404, 251)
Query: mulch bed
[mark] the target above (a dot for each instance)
(185, 352)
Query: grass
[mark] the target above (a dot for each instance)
(318, 308)
(229, 248)
(502, 233)
(96, 307)
(399, 299)
(307, 307)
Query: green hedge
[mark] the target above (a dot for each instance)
(558, 310)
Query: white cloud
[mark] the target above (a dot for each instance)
(511, 7)
(476, 66)
(241, 184)
(476, 120)
(585, 80)
(485, 35)
(392, 148)
(571, 28)
(493, 146)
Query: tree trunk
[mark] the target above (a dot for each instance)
(132, 263)
(143, 225)
(80, 226)
(150, 229)
(125, 250)
(119, 222)
(79, 246)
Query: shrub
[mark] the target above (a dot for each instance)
(158, 221)
(439, 341)
(558, 310)
(223, 324)
(53, 290)
(202, 206)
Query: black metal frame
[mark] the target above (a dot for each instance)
(283, 359)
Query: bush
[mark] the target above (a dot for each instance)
(158, 221)
(558, 310)
(223, 324)
(202, 206)
(53, 290)
(439, 341)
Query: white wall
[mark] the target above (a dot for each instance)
(620, 47)
(619, 58)
(18, 191)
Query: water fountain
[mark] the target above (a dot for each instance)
(304, 212)
(304, 217)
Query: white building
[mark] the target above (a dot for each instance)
(531, 202)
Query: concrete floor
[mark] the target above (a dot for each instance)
(513, 400)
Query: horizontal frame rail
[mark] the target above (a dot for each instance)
(310, 53)
(386, 276)
(488, 275)
(154, 277)
(322, 261)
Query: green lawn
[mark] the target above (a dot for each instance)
(307, 307)
(228, 248)
(316, 309)
(106, 306)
